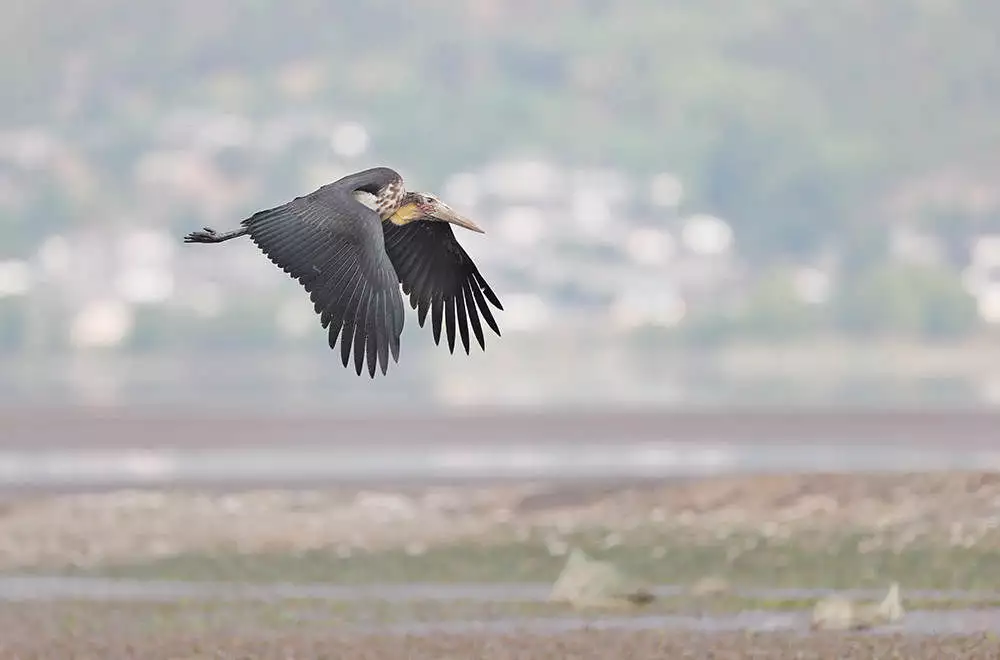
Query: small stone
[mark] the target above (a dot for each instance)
(589, 583)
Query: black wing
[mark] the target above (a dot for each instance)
(333, 246)
(439, 275)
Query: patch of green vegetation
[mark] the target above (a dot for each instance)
(744, 561)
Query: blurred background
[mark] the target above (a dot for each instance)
(754, 240)
(706, 202)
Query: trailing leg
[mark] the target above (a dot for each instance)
(209, 235)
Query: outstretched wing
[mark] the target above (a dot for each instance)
(333, 245)
(440, 276)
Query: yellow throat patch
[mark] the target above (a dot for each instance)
(404, 214)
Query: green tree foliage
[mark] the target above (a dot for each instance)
(876, 87)
(916, 301)
(776, 191)
(775, 311)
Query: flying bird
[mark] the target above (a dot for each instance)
(353, 242)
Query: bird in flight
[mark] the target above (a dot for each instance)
(353, 242)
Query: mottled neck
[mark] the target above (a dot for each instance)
(389, 199)
(386, 202)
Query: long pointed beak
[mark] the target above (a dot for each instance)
(448, 214)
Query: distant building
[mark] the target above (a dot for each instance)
(982, 276)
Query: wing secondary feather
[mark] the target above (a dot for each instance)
(333, 245)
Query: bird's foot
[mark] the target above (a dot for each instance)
(206, 235)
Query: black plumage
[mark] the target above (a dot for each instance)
(352, 258)
(436, 272)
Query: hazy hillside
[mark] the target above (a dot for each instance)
(827, 103)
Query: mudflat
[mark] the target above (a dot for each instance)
(119, 644)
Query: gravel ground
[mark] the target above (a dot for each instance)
(301, 629)
(584, 644)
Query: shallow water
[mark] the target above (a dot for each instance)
(597, 459)
(31, 587)
(914, 623)
(36, 588)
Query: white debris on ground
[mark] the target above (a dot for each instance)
(587, 583)
(839, 613)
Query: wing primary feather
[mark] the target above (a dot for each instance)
(485, 310)
(488, 290)
(420, 283)
(442, 282)
(449, 322)
(463, 322)
(436, 310)
(436, 280)
(408, 257)
(477, 327)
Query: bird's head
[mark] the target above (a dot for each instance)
(425, 206)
